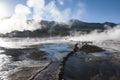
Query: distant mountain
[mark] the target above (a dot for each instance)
(52, 28)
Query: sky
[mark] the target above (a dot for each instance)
(60, 10)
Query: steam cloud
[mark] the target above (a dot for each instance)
(109, 34)
(41, 10)
(38, 6)
(50, 11)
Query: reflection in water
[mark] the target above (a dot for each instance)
(56, 51)
(83, 67)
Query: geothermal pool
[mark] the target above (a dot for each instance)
(14, 52)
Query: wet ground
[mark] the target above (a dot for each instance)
(45, 61)
(34, 62)
(93, 66)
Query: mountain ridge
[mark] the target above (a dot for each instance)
(52, 28)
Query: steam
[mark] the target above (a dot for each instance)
(81, 10)
(38, 7)
(18, 21)
(54, 13)
(109, 34)
(20, 17)
(40, 10)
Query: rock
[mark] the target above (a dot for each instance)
(37, 55)
(25, 73)
(50, 73)
(91, 49)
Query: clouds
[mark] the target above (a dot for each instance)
(61, 2)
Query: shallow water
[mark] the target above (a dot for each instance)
(56, 48)
(15, 48)
(56, 51)
(91, 67)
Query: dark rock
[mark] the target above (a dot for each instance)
(40, 55)
(91, 49)
(15, 53)
(76, 48)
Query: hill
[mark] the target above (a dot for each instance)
(52, 28)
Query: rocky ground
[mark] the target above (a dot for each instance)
(33, 62)
(27, 73)
(86, 63)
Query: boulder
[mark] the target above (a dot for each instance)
(91, 49)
